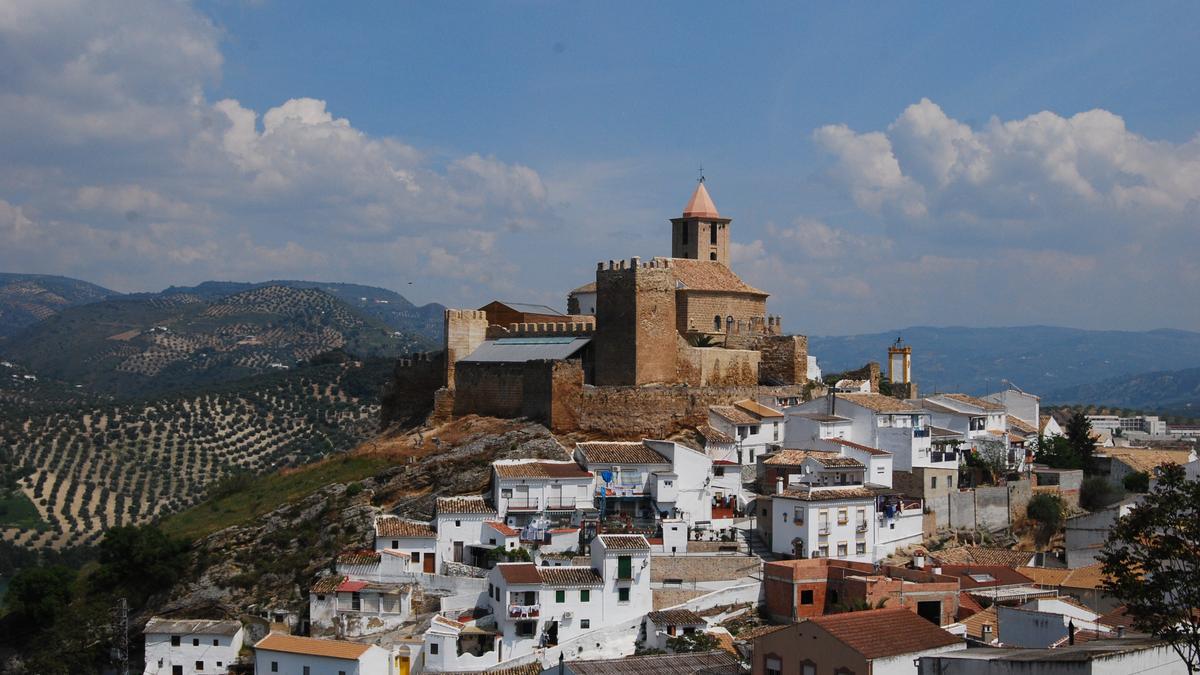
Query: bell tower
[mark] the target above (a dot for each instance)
(700, 233)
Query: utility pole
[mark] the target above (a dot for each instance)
(121, 626)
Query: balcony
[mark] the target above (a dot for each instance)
(523, 504)
(524, 611)
(861, 527)
(823, 530)
(560, 504)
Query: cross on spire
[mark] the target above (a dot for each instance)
(701, 173)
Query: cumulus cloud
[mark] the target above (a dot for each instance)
(123, 172)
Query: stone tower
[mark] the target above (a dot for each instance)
(900, 370)
(701, 233)
(636, 342)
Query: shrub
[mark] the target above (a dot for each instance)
(1097, 493)
(1049, 511)
(1138, 482)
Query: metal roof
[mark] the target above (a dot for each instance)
(519, 350)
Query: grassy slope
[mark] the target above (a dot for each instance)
(17, 511)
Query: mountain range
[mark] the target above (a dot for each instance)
(26, 299)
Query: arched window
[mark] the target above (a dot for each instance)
(717, 323)
(729, 323)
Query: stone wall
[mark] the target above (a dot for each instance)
(784, 359)
(551, 393)
(408, 397)
(489, 389)
(689, 568)
(636, 341)
(659, 411)
(696, 311)
(985, 507)
(867, 372)
(466, 329)
(717, 367)
(925, 482)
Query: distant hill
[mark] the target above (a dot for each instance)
(1039, 359)
(142, 344)
(26, 299)
(1165, 391)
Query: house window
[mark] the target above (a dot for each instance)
(506, 493)
(823, 551)
(216, 643)
(355, 601)
(773, 665)
(274, 666)
(624, 567)
(806, 597)
(683, 234)
(712, 256)
(776, 426)
(622, 595)
(843, 516)
(492, 541)
(585, 595)
(712, 234)
(526, 628)
(808, 668)
(307, 670)
(174, 640)
(395, 543)
(199, 666)
(458, 523)
(560, 596)
(416, 556)
(860, 548)
(842, 549)
(718, 471)
(755, 429)
(195, 642)
(949, 481)
(175, 670)
(716, 324)
(933, 481)
(843, 671)
(433, 648)
(585, 623)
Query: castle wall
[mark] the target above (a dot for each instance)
(466, 329)
(784, 359)
(635, 324)
(488, 388)
(717, 367)
(408, 397)
(659, 411)
(696, 311)
(551, 393)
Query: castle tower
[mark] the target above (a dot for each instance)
(899, 363)
(635, 340)
(701, 233)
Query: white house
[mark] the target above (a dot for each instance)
(753, 426)
(878, 462)
(417, 540)
(293, 655)
(649, 480)
(344, 607)
(663, 625)
(533, 495)
(977, 420)
(846, 386)
(1021, 405)
(191, 646)
(460, 523)
(388, 565)
(824, 522)
(876, 421)
(728, 472)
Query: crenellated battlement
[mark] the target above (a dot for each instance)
(633, 263)
(418, 359)
(582, 326)
(475, 314)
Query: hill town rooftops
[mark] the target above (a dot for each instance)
(540, 469)
(858, 446)
(807, 493)
(733, 414)
(710, 276)
(688, 663)
(293, 644)
(982, 555)
(676, 617)
(468, 504)
(520, 573)
(625, 542)
(619, 452)
(161, 626)
(359, 558)
(502, 528)
(879, 633)
(327, 584)
(975, 402)
(878, 403)
(714, 436)
(795, 457)
(391, 526)
(1019, 425)
(1146, 460)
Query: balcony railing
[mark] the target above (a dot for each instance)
(823, 529)
(524, 611)
(560, 504)
(523, 504)
(921, 433)
(861, 527)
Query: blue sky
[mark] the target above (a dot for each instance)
(885, 165)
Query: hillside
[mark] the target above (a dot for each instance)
(1036, 358)
(1169, 392)
(387, 306)
(26, 299)
(85, 466)
(140, 345)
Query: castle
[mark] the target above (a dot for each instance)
(665, 338)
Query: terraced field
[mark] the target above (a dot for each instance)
(88, 464)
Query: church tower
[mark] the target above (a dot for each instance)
(701, 233)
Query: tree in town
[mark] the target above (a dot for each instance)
(1151, 561)
(1049, 512)
(1079, 436)
(991, 458)
(692, 642)
(1097, 493)
(1137, 482)
(1056, 452)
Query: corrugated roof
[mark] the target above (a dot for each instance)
(520, 350)
(877, 633)
(469, 504)
(660, 664)
(540, 470)
(161, 626)
(619, 452)
(709, 275)
(391, 526)
(878, 403)
(293, 644)
(625, 542)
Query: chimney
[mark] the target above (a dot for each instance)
(1120, 631)
(1071, 632)
(779, 485)
(919, 561)
(987, 633)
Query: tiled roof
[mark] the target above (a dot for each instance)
(161, 626)
(975, 622)
(448, 622)
(967, 606)
(1046, 576)
(700, 205)
(1043, 420)
(293, 644)
(878, 403)
(733, 414)
(757, 632)
(359, 558)
(619, 452)
(857, 446)
(351, 586)
(709, 275)
(973, 401)
(982, 555)
(820, 417)
(1118, 618)
(712, 435)
(838, 461)
(755, 408)
(1091, 576)
(676, 617)
(391, 526)
(469, 504)
(327, 584)
(570, 576)
(541, 470)
(1001, 576)
(519, 573)
(877, 633)
(823, 494)
(1018, 424)
(795, 457)
(719, 661)
(502, 528)
(625, 542)
(939, 432)
(589, 287)
(1145, 460)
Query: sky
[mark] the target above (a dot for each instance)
(885, 165)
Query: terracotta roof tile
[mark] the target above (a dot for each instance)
(589, 287)
(755, 408)
(712, 435)
(359, 558)
(690, 663)
(733, 414)
(570, 576)
(327, 584)
(982, 555)
(823, 494)
(1091, 576)
(519, 573)
(795, 457)
(466, 504)
(1147, 461)
(619, 452)
(1018, 424)
(293, 644)
(857, 446)
(676, 617)
(625, 542)
(1118, 618)
(448, 622)
(1001, 575)
(878, 633)
(878, 403)
(709, 275)
(391, 526)
(976, 621)
(973, 401)
(757, 632)
(541, 470)
(1046, 576)
(502, 528)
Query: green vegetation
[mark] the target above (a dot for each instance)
(240, 501)
(17, 511)
(1049, 511)
(1096, 493)
(1073, 451)
(1137, 482)
(694, 642)
(1151, 564)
